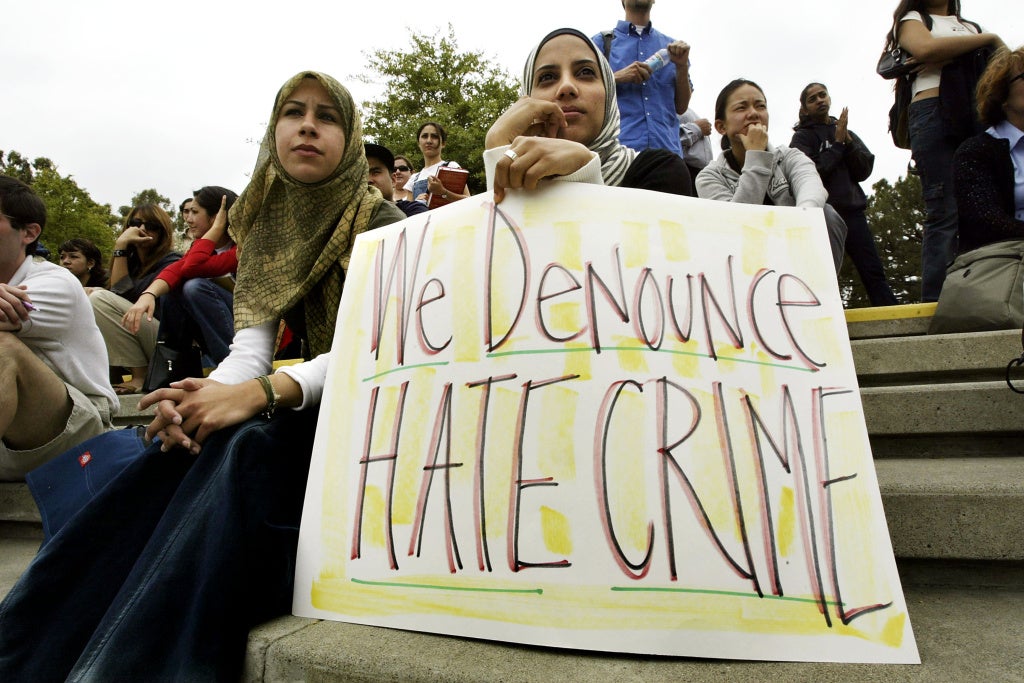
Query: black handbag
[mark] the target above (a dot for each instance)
(893, 64)
(168, 365)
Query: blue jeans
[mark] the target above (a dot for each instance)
(933, 154)
(860, 247)
(163, 574)
(199, 310)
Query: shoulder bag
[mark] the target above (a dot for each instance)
(984, 290)
(893, 63)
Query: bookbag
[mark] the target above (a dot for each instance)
(899, 123)
(607, 48)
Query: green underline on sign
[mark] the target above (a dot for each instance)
(395, 584)
(404, 367)
(734, 594)
(644, 349)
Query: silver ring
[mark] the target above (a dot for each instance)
(511, 154)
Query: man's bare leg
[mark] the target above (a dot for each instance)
(34, 402)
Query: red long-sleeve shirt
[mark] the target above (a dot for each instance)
(201, 260)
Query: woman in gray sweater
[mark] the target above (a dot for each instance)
(752, 171)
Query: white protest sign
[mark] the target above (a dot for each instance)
(604, 419)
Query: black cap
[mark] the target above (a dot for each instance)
(381, 153)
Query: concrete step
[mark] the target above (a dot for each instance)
(889, 321)
(949, 508)
(967, 626)
(962, 633)
(932, 447)
(955, 508)
(935, 359)
(943, 409)
(17, 504)
(129, 414)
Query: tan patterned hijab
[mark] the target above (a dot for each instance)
(294, 239)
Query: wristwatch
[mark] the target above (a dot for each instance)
(120, 252)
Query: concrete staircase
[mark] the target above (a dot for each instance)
(948, 441)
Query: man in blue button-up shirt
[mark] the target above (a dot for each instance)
(649, 102)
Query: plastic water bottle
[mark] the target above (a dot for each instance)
(658, 59)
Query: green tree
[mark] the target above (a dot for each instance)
(428, 79)
(16, 166)
(895, 215)
(70, 211)
(148, 196)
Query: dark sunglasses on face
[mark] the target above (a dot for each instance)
(402, 169)
(139, 223)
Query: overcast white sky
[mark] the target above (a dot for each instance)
(130, 95)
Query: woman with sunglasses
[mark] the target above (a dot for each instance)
(403, 171)
(195, 293)
(988, 168)
(141, 251)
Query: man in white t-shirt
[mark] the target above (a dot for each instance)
(54, 388)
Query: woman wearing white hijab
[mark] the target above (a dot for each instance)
(567, 124)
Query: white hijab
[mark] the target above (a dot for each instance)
(615, 157)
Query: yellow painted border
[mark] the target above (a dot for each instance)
(861, 315)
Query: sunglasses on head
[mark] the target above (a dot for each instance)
(1016, 78)
(403, 169)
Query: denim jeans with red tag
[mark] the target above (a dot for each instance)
(163, 574)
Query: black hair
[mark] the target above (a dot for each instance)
(723, 97)
(181, 207)
(729, 89)
(802, 116)
(209, 196)
(22, 206)
(440, 130)
(88, 249)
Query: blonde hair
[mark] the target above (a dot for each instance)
(994, 85)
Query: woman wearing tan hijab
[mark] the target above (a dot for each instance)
(198, 546)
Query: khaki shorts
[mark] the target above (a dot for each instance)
(88, 418)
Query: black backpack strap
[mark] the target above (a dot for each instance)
(607, 36)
